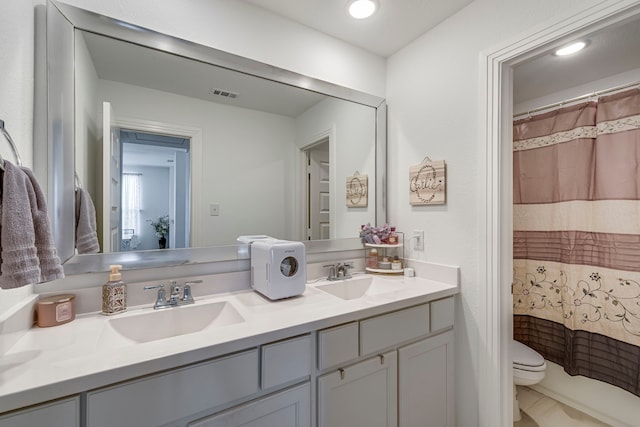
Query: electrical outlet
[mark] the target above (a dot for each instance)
(214, 209)
(418, 238)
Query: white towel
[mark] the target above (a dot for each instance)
(86, 234)
(27, 250)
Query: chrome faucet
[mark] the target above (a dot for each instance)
(342, 270)
(339, 271)
(175, 298)
(332, 272)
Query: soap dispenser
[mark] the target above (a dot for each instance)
(114, 293)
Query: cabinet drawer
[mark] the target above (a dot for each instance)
(286, 361)
(337, 345)
(388, 330)
(289, 408)
(172, 395)
(442, 314)
(61, 413)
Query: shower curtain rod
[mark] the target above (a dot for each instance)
(577, 98)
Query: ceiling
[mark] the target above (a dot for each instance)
(393, 26)
(610, 51)
(136, 65)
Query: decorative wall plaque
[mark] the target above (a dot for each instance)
(427, 183)
(357, 191)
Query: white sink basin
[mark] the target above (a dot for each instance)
(360, 287)
(152, 325)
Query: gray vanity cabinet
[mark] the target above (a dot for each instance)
(425, 374)
(289, 408)
(360, 395)
(425, 383)
(395, 369)
(215, 392)
(171, 396)
(391, 369)
(60, 413)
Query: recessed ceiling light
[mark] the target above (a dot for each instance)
(571, 49)
(361, 9)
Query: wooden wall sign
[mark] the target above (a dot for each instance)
(357, 191)
(427, 183)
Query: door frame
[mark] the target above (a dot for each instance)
(195, 161)
(302, 206)
(495, 380)
(308, 151)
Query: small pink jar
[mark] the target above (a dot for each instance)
(55, 310)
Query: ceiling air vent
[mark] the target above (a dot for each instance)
(224, 93)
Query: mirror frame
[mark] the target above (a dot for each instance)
(57, 163)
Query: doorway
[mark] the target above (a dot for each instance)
(495, 367)
(155, 190)
(318, 190)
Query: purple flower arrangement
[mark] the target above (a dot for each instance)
(376, 235)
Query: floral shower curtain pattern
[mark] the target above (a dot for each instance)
(576, 243)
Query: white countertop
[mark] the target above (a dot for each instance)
(48, 363)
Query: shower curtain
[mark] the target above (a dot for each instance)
(576, 242)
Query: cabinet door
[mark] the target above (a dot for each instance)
(361, 395)
(425, 383)
(290, 408)
(62, 413)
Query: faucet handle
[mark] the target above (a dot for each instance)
(332, 271)
(187, 298)
(160, 298)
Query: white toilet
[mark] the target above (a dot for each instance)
(528, 368)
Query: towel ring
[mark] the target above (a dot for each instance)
(14, 149)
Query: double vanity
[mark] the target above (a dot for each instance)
(370, 351)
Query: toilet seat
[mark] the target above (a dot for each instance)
(528, 369)
(525, 358)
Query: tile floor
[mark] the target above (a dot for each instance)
(539, 410)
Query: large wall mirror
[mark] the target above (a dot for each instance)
(158, 129)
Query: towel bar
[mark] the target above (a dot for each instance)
(14, 148)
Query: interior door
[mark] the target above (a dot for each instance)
(319, 195)
(111, 186)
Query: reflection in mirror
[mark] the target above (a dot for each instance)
(250, 143)
(253, 135)
(155, 190)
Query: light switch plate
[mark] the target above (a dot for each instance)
(214, 209)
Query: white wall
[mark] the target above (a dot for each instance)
(627, 77)
(432, 93)
(353, 126)
(249, 182)
(16, 97)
